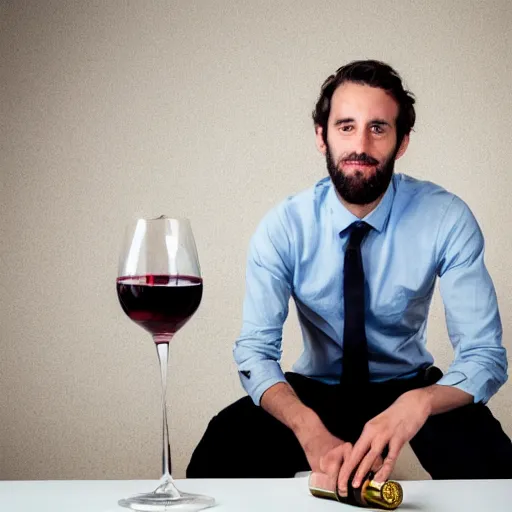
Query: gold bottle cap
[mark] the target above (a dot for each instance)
(388, 495)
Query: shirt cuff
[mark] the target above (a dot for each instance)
(472, 379)
(258, 377)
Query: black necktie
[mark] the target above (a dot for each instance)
(355, 375)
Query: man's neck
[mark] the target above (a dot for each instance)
(360, 210)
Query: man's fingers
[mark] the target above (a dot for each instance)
(379, 461)
(366, 464)
(357, 453)
(331, 462)
(389, 462)
(385, 471)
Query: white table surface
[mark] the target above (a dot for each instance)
(267, 495)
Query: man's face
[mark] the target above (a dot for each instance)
(361, 142)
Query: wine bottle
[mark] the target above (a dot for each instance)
(383, 495)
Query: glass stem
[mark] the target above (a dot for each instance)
(166, 484)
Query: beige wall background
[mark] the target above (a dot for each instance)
(109, 110)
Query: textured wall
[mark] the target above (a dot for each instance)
(110, 110)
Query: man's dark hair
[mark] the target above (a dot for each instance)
(375, 74)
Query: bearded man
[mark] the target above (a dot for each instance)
(360, 253)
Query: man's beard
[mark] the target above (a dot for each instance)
(356, 189)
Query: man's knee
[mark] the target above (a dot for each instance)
(244, 441)
(212, 457)
(202, 461)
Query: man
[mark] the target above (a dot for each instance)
(360, 253)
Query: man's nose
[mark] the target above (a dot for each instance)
(362, 142)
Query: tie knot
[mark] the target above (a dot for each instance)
(358, 231)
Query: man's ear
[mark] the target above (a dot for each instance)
(403, 147)
(319, 139)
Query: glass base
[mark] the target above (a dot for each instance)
(159, 502)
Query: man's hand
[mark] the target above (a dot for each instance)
(394, 427)
(325, 452)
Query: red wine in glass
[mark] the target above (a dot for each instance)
(161, 304)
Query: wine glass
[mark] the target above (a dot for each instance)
(159, 286)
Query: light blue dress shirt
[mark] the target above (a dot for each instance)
(420, 232)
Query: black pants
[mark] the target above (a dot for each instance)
(244, 441)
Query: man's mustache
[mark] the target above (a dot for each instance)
(360, 157)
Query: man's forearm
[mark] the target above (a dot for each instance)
(323, 450)
(439, 399)
(281, 402)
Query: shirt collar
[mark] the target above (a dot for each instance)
(377, 218)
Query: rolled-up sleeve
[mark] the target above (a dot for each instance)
(257, 351)
(472, 317)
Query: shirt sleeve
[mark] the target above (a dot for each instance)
(257, 351)
(472, 317)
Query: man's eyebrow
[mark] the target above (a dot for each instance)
(343, 121)
(380, 122)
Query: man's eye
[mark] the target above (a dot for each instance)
(346, 128)
(377, 129)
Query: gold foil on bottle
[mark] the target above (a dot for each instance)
(388, 495)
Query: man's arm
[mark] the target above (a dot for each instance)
(480, 364)
(269, 277)
(395, 427)
(472, 318)
(257, 352)
(324, 451)
(440, 399)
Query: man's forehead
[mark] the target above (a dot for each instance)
(360, 100)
